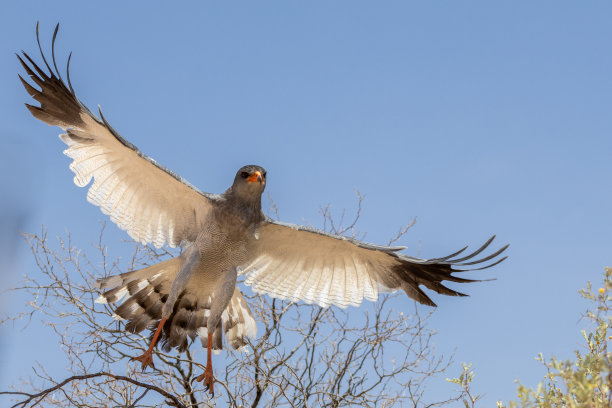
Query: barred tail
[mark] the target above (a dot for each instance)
(147, 290)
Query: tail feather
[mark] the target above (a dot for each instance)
(145, 292)
(168, 268)
(176, 329)
(238, 321)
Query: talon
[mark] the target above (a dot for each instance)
(146, 359)
(207, 379)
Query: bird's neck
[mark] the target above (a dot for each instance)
(247, 207)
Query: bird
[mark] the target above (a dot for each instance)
(223, 236)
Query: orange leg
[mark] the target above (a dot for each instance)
(147, 358)
(207, 377)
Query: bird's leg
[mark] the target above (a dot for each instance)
(222, 295)
(147, 358)
(207, 377)
(192, 257)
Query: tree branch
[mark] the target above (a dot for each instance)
(173, 400)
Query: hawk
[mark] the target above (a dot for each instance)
(224, 236)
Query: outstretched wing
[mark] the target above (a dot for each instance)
(299, 263)
(150, 202)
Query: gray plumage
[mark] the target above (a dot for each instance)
(224, 236)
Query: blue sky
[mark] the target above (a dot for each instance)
(477, 118)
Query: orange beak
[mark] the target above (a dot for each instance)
(255, 177)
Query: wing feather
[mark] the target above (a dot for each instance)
(299, 263)
(326, 279)
(338, 283)
(150, 202)
(293, 269)
(284, 281)
(370, 285)
(310, 281)
(354, 282)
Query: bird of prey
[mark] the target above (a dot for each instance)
(224, 236)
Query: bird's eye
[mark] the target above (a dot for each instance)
(265, 173)
(244, 174)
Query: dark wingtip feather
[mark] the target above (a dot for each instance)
(68, 74)
(53, 51)
(114, 132)
(58, 104)
(29, 88)
(457, 279)
(487, 258)
(430, 273)
(102, 115)
(478, 251)
(39, 76)
(42, 54)
(490, 265)
(40, 114)
(427, 302)
(454, 254)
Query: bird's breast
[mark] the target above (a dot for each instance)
(222, 245)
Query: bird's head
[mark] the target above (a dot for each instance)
(250, 181)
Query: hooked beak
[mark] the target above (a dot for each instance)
(255, 177)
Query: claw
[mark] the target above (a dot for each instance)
(207, 379)
(146, 359)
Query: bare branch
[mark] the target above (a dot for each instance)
(35, 399)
